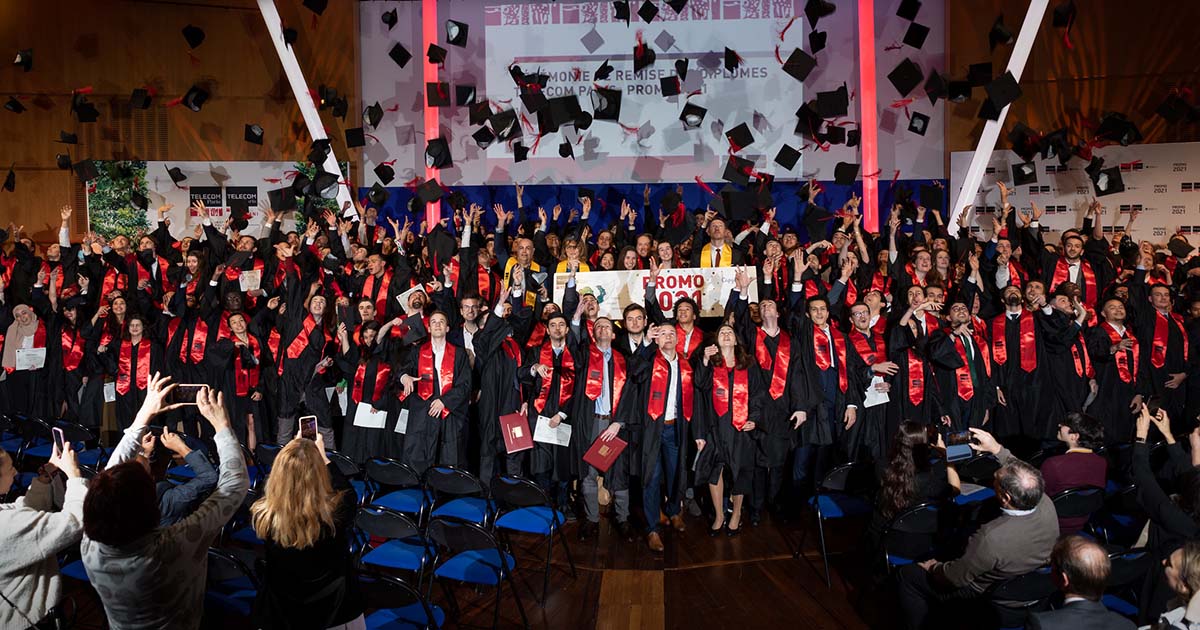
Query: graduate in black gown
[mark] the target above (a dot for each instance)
(499, 359)
(962, 369)
(913, 390)
(1071, 377)
(436, 385)
(552, 373)
(1121, 374)
(1166, 354)
(67, 358)
(1019, 369)
(131, 361)
(244, 363)
(364, 363)
(304, 334)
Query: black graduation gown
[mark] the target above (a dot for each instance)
(727, 447)
(963, 413)
(241, 407)
(870, 427)
(442, 441)
(363, 443)
(128, 404)
(649, 429)
(1173, 400)
(903, 345)
(499, 384)
(583, 419)
(1067, 390)
(1022, 390)
(557, 461)
(1111, 405)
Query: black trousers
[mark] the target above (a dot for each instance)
(918, 594)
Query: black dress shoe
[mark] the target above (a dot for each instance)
(588, 530)
(625, 530)
(731, 532)
(716, 532)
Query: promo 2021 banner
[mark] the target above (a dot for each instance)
(614, 290)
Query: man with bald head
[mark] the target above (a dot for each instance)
(1079, 568)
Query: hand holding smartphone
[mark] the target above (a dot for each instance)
(308, 427)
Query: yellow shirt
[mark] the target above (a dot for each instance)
(562, 267)
(530, 296)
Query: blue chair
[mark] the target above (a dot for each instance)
(982, 494)
(264, 455)
(88, 450)
(469, 554)
(396, 486)
(351, 471)
(1128, 569)
(845, 492)
(394, 604)
(404, 548)
(75, 570)
(231, 586)
(911, 536)
(457, 493)
(1013, 599)
(979, 470)
(524, 507)
(37, 440)
(239, 528)
(1121, 519)
(1078, 502)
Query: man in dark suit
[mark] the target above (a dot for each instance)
(1080, 569)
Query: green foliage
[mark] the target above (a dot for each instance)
(320, 205)
(110, 211)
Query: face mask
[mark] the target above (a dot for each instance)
(79, 255)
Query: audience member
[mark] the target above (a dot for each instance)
(1079, 466)
(916, 471)
(176, 499)
(1181, 571)
(1080, 568)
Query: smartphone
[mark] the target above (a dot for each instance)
(308, 427)
(185, 393)
(958, 446)
(59, 441)
(962, 437)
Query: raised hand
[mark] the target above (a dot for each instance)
(211, 404)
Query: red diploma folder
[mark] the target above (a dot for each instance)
(517, 436)
(602, 454)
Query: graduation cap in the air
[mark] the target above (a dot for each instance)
(918, 123)
(437, 154)
(1055, 145)
(316, 6)
(319, 150)
(24, 59)
(817, 221)
(670, 86)
(520, 152)
(282, 199)
(483, 137)
(817, 40)
(681, 68)
(1003, 91)
(1064, 17)
(787, 157)
(814, 10)
(378, 195)
(140, 99)
(980, 74)
(643, 57)
(194, 35)
(533, 99)
(834, 103)
(385, 173)
(738, 170)
(195, 98)
(464, 95)
(931, 197)
(740, 137)
(935, 87)
(648, 11)
(373, 114)
(437, 94)
(1108, 181)
(677, 5)
(254, 133)
(400, 55)
(63, 161)
(604, 71)
(389, 19)
(1174, 108)
(906, 76)
(176, 175)
(732, 59)
(435, 54)
(430, 191)
(290, 35)
(915, 35)
(565, 150)
(456, 33)
(479, 112)
(799, 64)
(845, 173)
(505, 125)
(908, 9)
(1024, 173)
(621, 11)
(1117, 128)
(84, 110)
(999, 33)
(10, 180)
(14, 106)
(834, 134)
(1024, 141)
(808, 121)
(606, 104)
(86, 170)
(1179, 247)
(692, 115)
(959, 91)
(355, 137)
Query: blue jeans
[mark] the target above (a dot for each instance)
(652, 496)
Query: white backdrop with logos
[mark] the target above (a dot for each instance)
(1162, 182)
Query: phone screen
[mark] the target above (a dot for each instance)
(308, 427)
(962, 437)
(59, 440)
(185, 393)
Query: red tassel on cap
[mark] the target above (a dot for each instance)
(83, 90)
(705, 187)
(785, 28)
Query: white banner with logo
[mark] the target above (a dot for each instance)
(709, 287)
(1160, 180)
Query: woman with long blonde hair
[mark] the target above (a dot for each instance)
(304, 517)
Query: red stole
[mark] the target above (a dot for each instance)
(691, 344)
(1158, 354)
(300, 343)
(113, 281)
(378, 294)
(194, 350)
(566, 376)
(821, 353)
(851, 292)
(426, 367)
(1028, 349)
(861, 345)
(1062, 273)
(144, 274)
(782, 358)
(966, 389)
(72, 349)
(537, 335)
(1016, 274)
(658, 386)
(880, 325)
(916, 379)
(908, 268)
(484, 276)
(383, 372)
(124, 365)
(58, 280)
(39, 339)
(595, 376)
(741, 395)
(246, 377)
(881, 283)
(1083, 362)
(1127, 369)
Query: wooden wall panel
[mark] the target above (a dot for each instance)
(118, 45)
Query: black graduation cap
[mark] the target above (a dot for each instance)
(853, 137)
(1108, 181)
(670, 86)
(835, 134)
(1055, 145)
(1173, 109)
(606, 104)
(10, 180)
(817, 221)
(389, 18)
(565, 150)
(373, 115)
(520, 152)
(1024, 141)
(931, 197)
(935, 87)
(959, 91)
(86, 170)
(740, 137)
(385, 173)
(176, 175)
(677, 5)
(915, 35)
(604, 71)
(799, 64)
(479, 112)
(738, 170)
(692, 115)
(63, 160)
(324, 185)
(906, 76)
(621, 11)
(643, 57)
(583, 120)
(195, 98)
(1024, 173)
(319, 150)
(378, 195)
(648, 11)
(1179, 247)
(301, 185)
(1064, 15)
(816, 9)
(1117, 128)
(817, 40)
(456, 33)
(738, 205)
(979, 74)
(534, 99)
(918, 123)
(429, 191)
(558, 112)
(483, 137)
(732, 59)
(505, 125)
(290, 35)
(464, 95)
(400, 55)
(681, 68)
(355, 138)
(140, 99)
(194, 35)
(437, 94)
(833, 103)
(254, 133)
(787, 157)
(845, 173)
(316, 6)
(14, 106)
(24, 59)
(908, 9)
(436, 54)
(437, 154)
(808, 121)
(84, 110)
(999, 33)
(138, 200)
(1003, 90)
